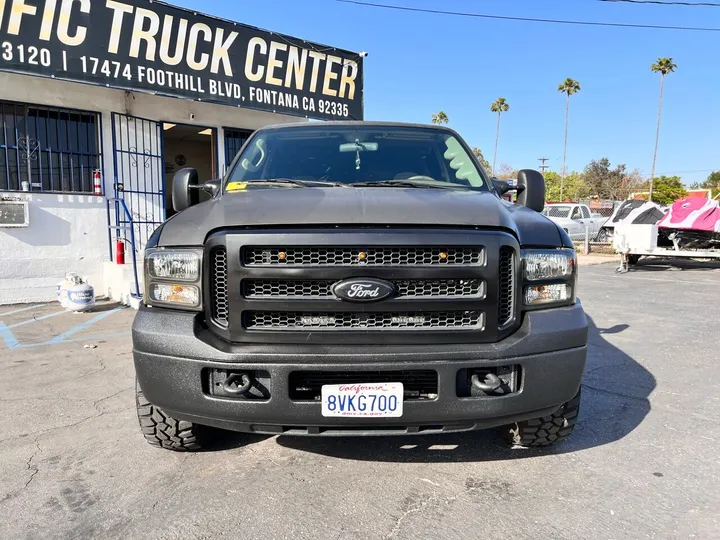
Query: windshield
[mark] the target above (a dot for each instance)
(557, 211)
(359, 154)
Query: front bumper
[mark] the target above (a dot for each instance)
(171, 350)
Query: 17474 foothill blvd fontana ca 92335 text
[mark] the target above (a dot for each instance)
(162, 49)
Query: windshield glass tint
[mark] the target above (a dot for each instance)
(357, 154)
(556, 211)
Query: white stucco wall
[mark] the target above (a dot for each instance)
(69, 232)
(66, 234)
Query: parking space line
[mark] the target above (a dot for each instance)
(21, 310)
(36, 319)
(82, 326)
(7, 336)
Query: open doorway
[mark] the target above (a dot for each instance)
(188, 146)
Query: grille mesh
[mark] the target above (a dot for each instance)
(218, 275)
(278, 320)
(323, 288)
(374, 256)
(506, 290)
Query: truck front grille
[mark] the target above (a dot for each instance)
(219, 286)
(289, 320)
(272, 286)
(506, 290)
(360, 256)
(322, 289)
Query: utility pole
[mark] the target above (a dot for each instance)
(543, 167)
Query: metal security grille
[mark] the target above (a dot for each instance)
(506, 292)
(373, 256)
(323, 288)
(234, 140)
(48, 149)
(139, 174)
(272, 320)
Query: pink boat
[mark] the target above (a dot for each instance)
(692, 223)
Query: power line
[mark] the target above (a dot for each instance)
(661, 3)
(543, 167)
(528, 19)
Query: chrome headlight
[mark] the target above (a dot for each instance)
(173, 278)
(549, 277)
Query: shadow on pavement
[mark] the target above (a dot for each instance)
(673, 264)
(615, 401)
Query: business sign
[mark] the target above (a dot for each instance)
(155, 47)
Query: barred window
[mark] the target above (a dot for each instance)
(234, 139)
(48, 148)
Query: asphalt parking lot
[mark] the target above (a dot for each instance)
(643, 462)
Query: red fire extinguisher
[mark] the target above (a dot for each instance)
(120, 252)
(97, 183)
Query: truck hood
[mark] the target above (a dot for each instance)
(357, 206)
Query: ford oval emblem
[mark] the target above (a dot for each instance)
(363, 290)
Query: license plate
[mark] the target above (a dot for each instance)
(375, 400)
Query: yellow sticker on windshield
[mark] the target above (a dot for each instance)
(236, 186)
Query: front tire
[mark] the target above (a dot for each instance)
(163, 431)
(545, 431)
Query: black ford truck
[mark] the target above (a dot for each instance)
(358, 278)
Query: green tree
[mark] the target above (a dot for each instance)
(440, 118)
(499, 106)
(572, 183)
(605, 182)
(712, 182)
(569, 87)
(668, 189)
(662, 66)
(481, 158)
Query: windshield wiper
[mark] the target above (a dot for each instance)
(298, 183)
(435, 184)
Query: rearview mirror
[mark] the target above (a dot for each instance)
(184, 189)
(533, 189)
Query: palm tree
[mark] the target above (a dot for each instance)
(499, 106)
(662, 66)
(569, 87)
(440, 118)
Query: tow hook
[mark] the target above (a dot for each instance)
(242, 384)
(491, 383)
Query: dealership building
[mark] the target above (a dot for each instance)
(102, 102)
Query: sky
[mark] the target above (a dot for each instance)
(420, 63)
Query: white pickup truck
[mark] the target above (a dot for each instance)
(575, 218)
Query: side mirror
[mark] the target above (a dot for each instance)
(184, 189)
(533, 189)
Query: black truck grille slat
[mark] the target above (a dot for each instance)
(322, 289)
(219, 286)
(371, 256)
(307, 385)
(289, 320)
(506, 289)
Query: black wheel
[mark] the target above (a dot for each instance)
(547, 430)
(633, 259)
(164, 431)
